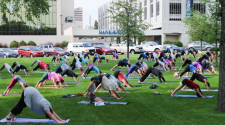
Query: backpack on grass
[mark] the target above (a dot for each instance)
(153, 86)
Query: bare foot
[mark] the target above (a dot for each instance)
(166, 83)
(11, 116)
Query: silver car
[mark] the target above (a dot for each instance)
(197, 45)
(7, 53)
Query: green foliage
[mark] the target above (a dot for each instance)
(14, 43)
(96, 24)
(178, 43)
(32, 8)
(215, 49)
(22, 43)
(59, 45)
(32, 43)
(65, 43)
(167, 42)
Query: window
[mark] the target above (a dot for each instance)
(140, 6)
(145, 13)
(45, 46)
(145, 3)
(199, 7)
(151, 10)
(175, 8)
(157, 8)
(151, 1)
(75, 45)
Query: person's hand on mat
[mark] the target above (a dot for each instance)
(30, 67)
(10, 115)
(166, 83)
(173, 95)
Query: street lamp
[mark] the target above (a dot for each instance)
(61, 25)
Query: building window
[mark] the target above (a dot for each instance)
(151, 1)
(145, 2)
(157, 8)
(140, 6)
(151, 10)
(199, 7)
(175, 8)
(145, 13)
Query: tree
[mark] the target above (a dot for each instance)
(126, 16)
(14, 43)
(65, 43)
(32, 43)
(221, 92)
(96, 25)
(196, 26)
(33, 8)
(22, 43)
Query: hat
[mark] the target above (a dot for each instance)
(96, 78)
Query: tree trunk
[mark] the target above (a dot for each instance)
(135, 40)
(128, 44)
(221, 92)
(201, 46)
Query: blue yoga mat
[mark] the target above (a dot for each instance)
(192, 96)
(28, 120)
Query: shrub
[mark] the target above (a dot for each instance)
(65, 43)
(22, 43)
(32, 43)
(178, 43)
(13, 44)
(167, 42)
(59, 45)
(4, 45)
(214, 49)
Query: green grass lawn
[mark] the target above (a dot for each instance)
(144, 107)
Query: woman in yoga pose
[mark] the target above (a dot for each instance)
(119, 75)
(32, 98)
(40, 65)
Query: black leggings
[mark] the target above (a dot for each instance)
(156, 64)
(88, 70)
(159, 75)
(140, 57)
(69, 73)
(187, 61)
(54, 58)
(187, 69)
(20, 105)
(86, 55)
(18, 68)
(13, 65)
(200, 92)
(36, 67)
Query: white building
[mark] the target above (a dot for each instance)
(164, 15)
(78, 17)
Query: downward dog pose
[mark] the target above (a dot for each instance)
(162, 54)
(205, 57)
(180, 56)
(197, 52)
(160, 62)
(187, 61)
(40, 65)
(122, 63)
(95, 58)
(171, 64)
(91, 67)
(189, 68)
(183, 53)
(16, 79)
(81, 57)
(206, 64)
(70, 73)
(91, 91)
(190, 51)
(21, 67)
(78, 66)
(154, 56)
(32, 98)
(115, 82)
(103, 58)
(134, 68)
(54, 59)
(86, 56)
(199, 67)
(143, 56)
(48, 76)
(172, 57)
(7, 66)
(211, 54)
(155, 72)
(107, 85)
(190, 84)
(143, 66)
(119, 75)
(67, 58)
(60, 60)
(15, 64)
(200, 78)
(115, 56)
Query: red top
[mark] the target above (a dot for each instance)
(158, 52)
(192, 84)
(42, 65)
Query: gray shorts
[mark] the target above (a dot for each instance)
(92, 97)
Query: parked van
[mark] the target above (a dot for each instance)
(80, 47)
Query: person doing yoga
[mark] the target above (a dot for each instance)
(192, 85)
(21, 67)
(49, 76)
(103, 58)
(15, 64)
(7, 66)
(33, 99)
(199, 67)
(70, 73)
(16, 79)
(155, 72)
(132, 69)
(40, 65)
(91, 67)
(115, 56)
(189, 68)
(119, 75)
(121, 64)
(187, 61)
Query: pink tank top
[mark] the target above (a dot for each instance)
(42, 65)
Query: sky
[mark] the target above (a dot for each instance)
(90, 7)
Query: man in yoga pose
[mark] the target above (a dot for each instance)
(16, 79)
(143, 66)
(160, 62)
(67, 58)
(115, 56)
(7, 66)
(187, 61)
(189, 68)
(91, 67)
(78, 66)
(103, 58)
(82, 59)
(180, 56)
(155, 72)
(122, 63)
(54, 59)
(190, 84)
(32, 98)
(40, 65)
(15, 64)
(96, 58)
(21, 67)
(206, 64)
(134, 68)
(70, 73)
(107, 85)
(119, 75)
(143, 56)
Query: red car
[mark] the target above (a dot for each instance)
(61, 52)
(31, 51)
(103, 49)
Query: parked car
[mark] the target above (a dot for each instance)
(93, 44)
(49, 50)
(122, 48)
(15, 50)
(7, 53)
(61, 51)
(30, 51)
(103, 49)
(80, 47)
(150, 46)
(197, 45)
(174, 47)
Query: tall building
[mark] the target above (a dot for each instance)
(164, 15)
(78, 17)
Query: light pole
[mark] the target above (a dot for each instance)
(61, 25)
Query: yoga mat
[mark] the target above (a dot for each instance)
(106, 102)
(137, 77)
(108, 91)
(74, 82)
(39, 72)
(106, 97)
(28, 120)
(133, 79)
(55, 63)
(120, 69)
(193, 96)
(50, 87)
(155, 82)
(20, 75)
(214, 90)
(61, 85)
(133, 75)
(131, 87)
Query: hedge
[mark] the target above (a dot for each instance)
(13, 44)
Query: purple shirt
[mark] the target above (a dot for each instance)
(196, 64)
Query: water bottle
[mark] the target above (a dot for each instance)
(8, 121)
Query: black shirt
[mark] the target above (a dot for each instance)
(116, 73)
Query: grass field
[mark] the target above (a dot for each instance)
(144, 107)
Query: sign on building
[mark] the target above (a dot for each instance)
(189, 7)
(114, 32)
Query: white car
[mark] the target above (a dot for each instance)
(150, 46)
(80, 47)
